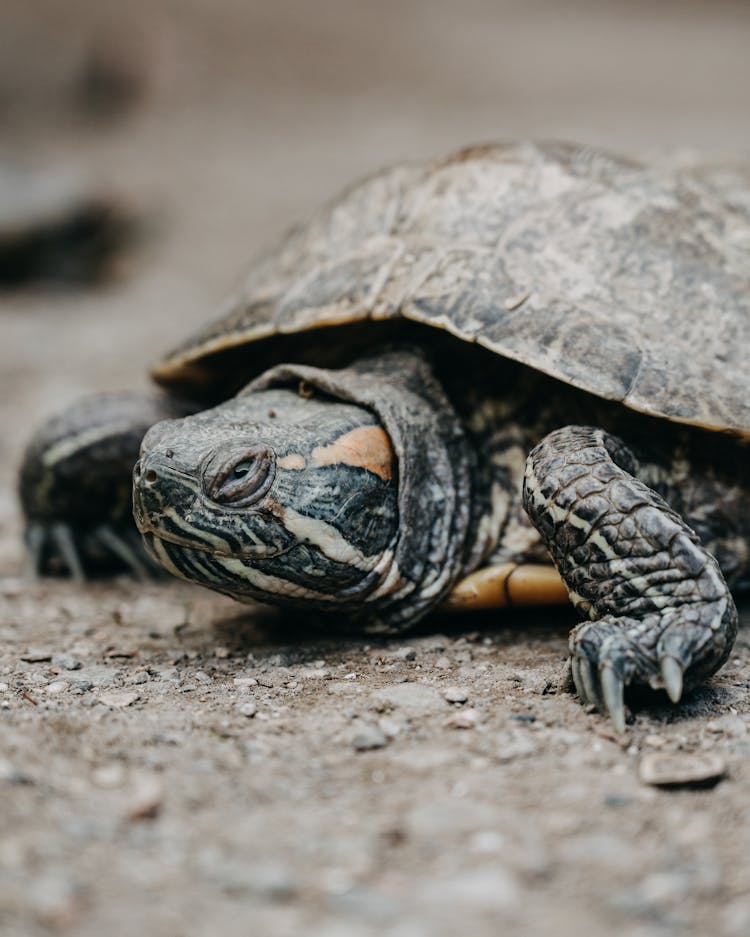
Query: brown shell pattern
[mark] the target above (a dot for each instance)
(629, 281)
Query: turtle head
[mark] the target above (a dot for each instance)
(284, 494)
(346, 490)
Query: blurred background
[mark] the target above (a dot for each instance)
(216, 125)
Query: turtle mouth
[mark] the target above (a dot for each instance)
(151, 529)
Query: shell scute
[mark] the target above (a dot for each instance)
(627, 280)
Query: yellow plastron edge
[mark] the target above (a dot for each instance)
(507, 584)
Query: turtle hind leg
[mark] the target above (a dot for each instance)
(75, 486)
(659, 610)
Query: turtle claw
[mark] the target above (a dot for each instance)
(119, 547)
(35, 540)
(612, 654)
(575, 670)
(608, 661)
(613, 691)
(61, 549)
(58, 539)
(671, 674)
(604, 689)
(588, 679)
(62, 537)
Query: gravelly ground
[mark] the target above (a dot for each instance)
(174, 764)
(170, 766)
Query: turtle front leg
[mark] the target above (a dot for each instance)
(76, 490)
(659, 610)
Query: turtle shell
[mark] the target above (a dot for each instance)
(629, 281)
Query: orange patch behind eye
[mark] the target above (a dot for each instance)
(292, 461)
(366, 447)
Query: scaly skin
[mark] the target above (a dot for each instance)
(660, 610)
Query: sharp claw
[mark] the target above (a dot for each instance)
(589, 682)
(575, 669)
(671, 674)
(35, 538)
(123, 551)
(613, 690)
(66, 545)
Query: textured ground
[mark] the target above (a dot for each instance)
(171, 763)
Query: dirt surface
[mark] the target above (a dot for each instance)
(172, 763)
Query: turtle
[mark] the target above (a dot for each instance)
(513, 373)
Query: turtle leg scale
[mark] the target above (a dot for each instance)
(659, 611)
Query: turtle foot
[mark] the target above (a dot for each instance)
(660, 612)
(673, 651)
(60, 549)
(75, 486)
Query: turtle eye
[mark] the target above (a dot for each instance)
(244, 482)
(243, 468)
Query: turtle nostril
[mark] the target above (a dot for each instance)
(150, 477)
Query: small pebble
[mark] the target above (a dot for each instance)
(404, 653)
(36, 656)
(146, 800)
(681, 768)
(83, 686)
(248, 709)
(463, 719)
(523, 717)
(455, 694)
(118, 652)
(118, 699)
(138, 678)
(618, 800)
(57, 686)
(414, 698)
(245, 681)
(369, 737)
(66, 662)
